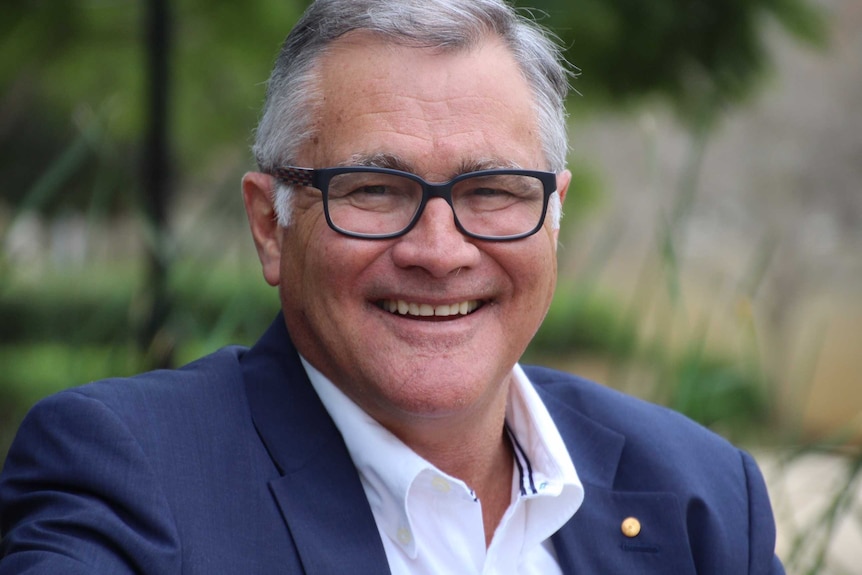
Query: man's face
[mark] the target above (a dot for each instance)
(436, 115)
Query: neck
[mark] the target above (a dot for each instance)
(478, 454)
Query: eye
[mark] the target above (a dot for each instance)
(376, 192)
(498, 186)
(490, 192)
(373, 190)
(353, 189)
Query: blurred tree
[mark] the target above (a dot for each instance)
(69, 80)
(696, 54)
(73, 92)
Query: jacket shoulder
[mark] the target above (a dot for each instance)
(634, 450)
(663, 449)
(218, 369)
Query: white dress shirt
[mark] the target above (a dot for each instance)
(431, 523)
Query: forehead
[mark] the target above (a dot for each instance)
(434, 110)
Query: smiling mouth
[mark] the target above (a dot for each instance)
(401, 307)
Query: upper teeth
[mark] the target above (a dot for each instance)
(426, 310)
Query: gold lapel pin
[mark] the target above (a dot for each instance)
(631, 527)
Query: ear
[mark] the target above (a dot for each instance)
(564, 178)
(258, 194)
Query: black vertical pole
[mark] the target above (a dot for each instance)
(154, 336)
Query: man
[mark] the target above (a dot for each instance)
(411, 162)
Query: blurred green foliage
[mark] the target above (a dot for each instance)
(72, 92)
(583, 321)
(67, 328)
(726, 395)
(691, 53)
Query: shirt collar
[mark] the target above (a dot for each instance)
(538, 446)
(388, 468)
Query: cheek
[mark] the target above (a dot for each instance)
(544, 283)
(325, 274)
(298, 271)
(535, 278)
(536, 265)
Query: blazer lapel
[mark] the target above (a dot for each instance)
(319, 492)
(593, 540)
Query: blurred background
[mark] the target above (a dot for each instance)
(710, 257)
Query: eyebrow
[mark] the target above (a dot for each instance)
(487, 164)
(380, 160)
(395, 162)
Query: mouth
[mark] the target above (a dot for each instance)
(425, 310)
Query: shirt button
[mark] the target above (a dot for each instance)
(440, 484)
(404, 536)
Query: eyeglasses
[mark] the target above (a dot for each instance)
(380, 203)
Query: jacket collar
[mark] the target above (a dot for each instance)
(319, 492)
(595, 449)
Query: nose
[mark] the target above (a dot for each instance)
(435, 244)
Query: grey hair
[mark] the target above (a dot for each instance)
(286, 123)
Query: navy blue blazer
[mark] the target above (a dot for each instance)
(231, 465)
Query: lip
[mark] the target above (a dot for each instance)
(427, 310)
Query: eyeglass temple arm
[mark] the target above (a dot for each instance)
(295, 176)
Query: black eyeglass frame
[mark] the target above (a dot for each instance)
(319, 178)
